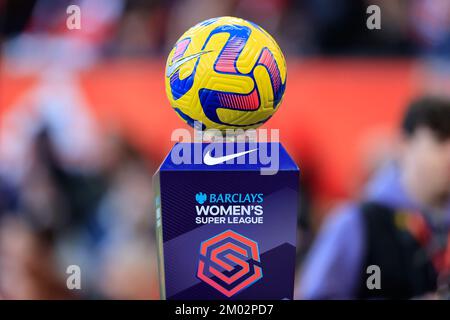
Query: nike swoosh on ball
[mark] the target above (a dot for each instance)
(178, 63)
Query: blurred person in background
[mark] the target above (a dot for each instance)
(430, 27)
(99, 220)
(127, 268)
(70, 192)
(401, 225)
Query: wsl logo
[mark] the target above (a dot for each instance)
(229, 262)
(230, 208)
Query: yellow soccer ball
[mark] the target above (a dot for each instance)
(227, 73)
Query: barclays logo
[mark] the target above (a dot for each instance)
(201, 198)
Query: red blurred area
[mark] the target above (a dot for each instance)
(329, 113)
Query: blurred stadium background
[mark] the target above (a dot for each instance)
(84, 122)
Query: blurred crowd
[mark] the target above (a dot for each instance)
(301, 27)
(95, 217)
(72, 192)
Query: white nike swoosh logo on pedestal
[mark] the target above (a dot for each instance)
(211, 161)
(178, 63)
